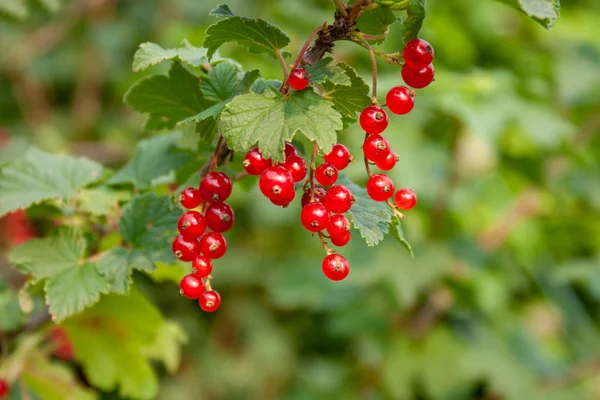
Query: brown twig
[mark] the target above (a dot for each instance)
(283, 65)
(341, 7)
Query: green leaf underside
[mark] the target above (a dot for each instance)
(544, 12)
(323, 70)
(348, 100)
(415, 14)
(222, 10)
(150, 54)
(270, 119)
(41, 176)
(376, 22)
(398, 233)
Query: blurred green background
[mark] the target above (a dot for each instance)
(502, 300)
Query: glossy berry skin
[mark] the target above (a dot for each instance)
(373, 120)
(210, 301)
(326, 174)
(318, 198)
(284, 201)
(376, 148)
(298, 79)
(191, 287)
(314, 217)
(380, 187)
(418, 53)
(297, 167)
(190, 198)
(418, 78)
(338, 225)
(339, 157)
(185, 249)
(3, 388)
(192, 224)
(219, 217)
(405, 199)
(276, 183)
(215, 186)
(400, 100)
(201, 267)
(389, 162)
(338, 199)
(213, 245)
(335, 267)
(290, 151)
(255, 163)
(341, 240)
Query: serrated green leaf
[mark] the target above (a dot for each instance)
(415, 14)
(222, 80)
(150, 54)
(260, 85)
(222, 10)
(100, 201)
(167, 345)
(544, 12)
(397, 231)
(348, 100)
(271, 119)
(376, 22)
(323, 70)
(41, 176)
(115, 266)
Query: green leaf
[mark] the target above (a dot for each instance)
(415, 14)
(348, 100)
(167, 345)
(115, 266)
(398, 233)
(260, 85)
(544, 12)
(150, 54)
(14, 8)
(323, 70)
(40, 176)
(259, 36)
(100, 201)
(376, 22)
(12, 316)
(222, 80)
(271, 119)
(222, 10)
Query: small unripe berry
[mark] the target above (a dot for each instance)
(215, 186)
(373, 120)
(335, 267)
(209, 301)
(405, 199)
(380, 187)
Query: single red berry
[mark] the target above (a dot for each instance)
(373, 120)
(405, 199)
(338, 199)
(215, 186)
(192, 224)
(210, 300)
(335, 267)
(341, 239)
(255, 163)
(201, 266)
(298, 79)
(290, 151)
(213, 245)
(191, 287)
(190, 198)
(338, 225)
(380, 187)
(389, 162)
(418, 78)
(339, 157)
(61, 343)
(220, 217)
(276, 183)
(3, 388)
(284, 201)
(418, 53)
(326, 174)
(376, 148)
(400, 100)
(185, 249)
(319, 195)
(315, 217)
(297, 167)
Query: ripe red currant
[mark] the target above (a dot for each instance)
(338, 225)
(376, 148)
(191, 287)
(338, 199)
(418, 53)
(220, 217)
(373, 120)
(339, 157)
(389, 162)
(418, 78)
(319, 195)
(341, 239)
(326, 174)
(380, 187)
(201, 267)
(190, 198)
(192, 224)
(297, 167)
(405, 199)
(210, 300)
(213, 245)
(315, 217)
(400, 100)
(298, 79)
(290, 151)
(185, 249)
(215, 186)
(3, 388)
(255, 163)
(285, 200)
(276, 183)
(335, 267)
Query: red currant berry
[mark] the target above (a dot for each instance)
(201, 267)
(297, 167)
(373, 120)
(418, 53)
(219, 217)
(215, 186)
(405, 199)
(341, 240)
(319, 195)
(400, 100)
(380, 187)
(335, 267)
(298, 79)
(315, 217)
(338, 199)
(210, 300)
(277, 184)
(255, 163)
(290, 151)
(185, 249)
(338, 225)
(326, 174)
(339, 157)
(192, 224)
(190, 198)
(418, 78)
(213, 245)
(3, 388)
(376, 148)
(191, 287)
(284, 201)
(389, 162)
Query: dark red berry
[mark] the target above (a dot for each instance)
(284, 201)
(335, 267)
(215, 186)
(191, 286)
(290, 151)
(389, 162)
(326, 174)
(380, 187)
(213, 245)
(376, 148)
(338, 199)
(219, 217)
(418, 53)
(255, 163)
(192, 224)
(201, 266)
(61, 343)
(319, 195)
(338, 225)
(298, 79)
(276, 183)
(339, 157)
(400, 100)
(373, 120)
(341, 240)
(405, 199)
(190, 198)
(418, 78)
(315, 217)
(3, 388)
(210, 300)
(297, 167)
(185, 249)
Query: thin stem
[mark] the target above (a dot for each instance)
(215, 157)
(392, 58)
(394, 209)
(298, 61)
(367, 165)
(375, 37)
(284, 67)
(327, 249)
(313, 167)
(341, 7)
(207, 284)
(373, 65)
